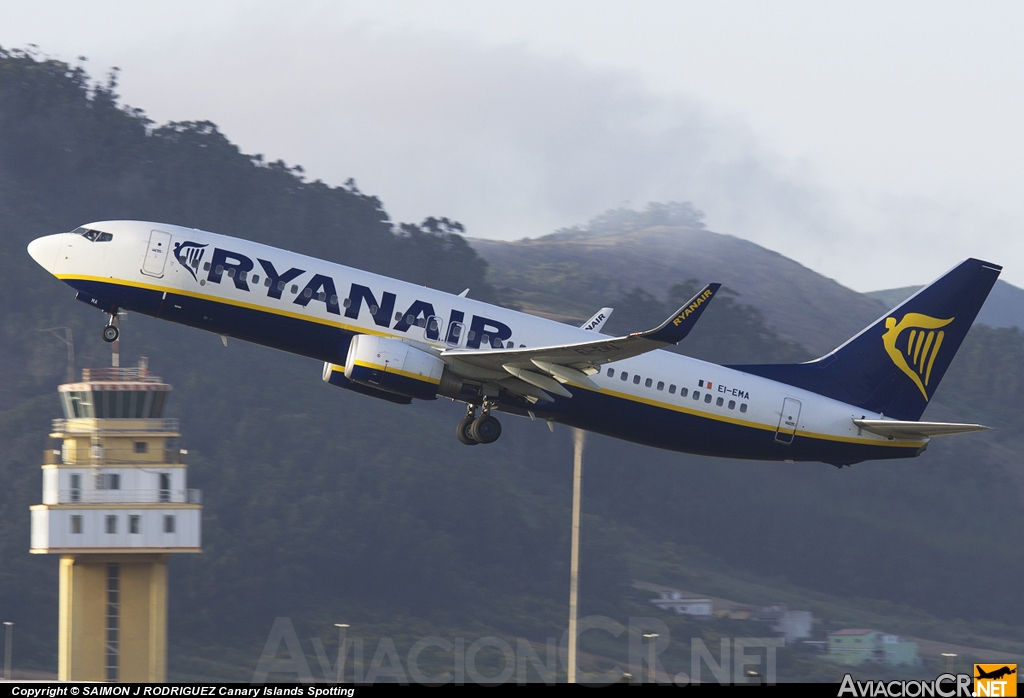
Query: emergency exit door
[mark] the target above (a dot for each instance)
(788, 420)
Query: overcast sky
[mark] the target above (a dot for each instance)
(878, 143)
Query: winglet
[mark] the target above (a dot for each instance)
(595, 323)
(673, 330)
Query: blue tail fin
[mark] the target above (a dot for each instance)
(894, 366)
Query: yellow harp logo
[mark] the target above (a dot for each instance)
(916, 357)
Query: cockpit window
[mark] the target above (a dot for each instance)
(93, 235)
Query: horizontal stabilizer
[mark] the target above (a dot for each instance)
(907, 430)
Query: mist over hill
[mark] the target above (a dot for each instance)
(327, 506)
(574, 272)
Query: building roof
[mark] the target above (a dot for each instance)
(853, 631)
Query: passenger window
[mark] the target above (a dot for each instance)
(219, 270)
(611, 372)
(636, 379)
(267, 282)
(683, 392)
(696, 394)
(510, 344)
(242, 275)
(231, 273)
(206, 267)
(648, 383)
(307, 292)
(471, 335)
(295, 289)
(496, 343)
(347, 302)
(707, 397)
(672, 389)
(321, 296)
(398, 316)
(255, 279)
(661, 385)
(485, 339)
(623, 375)
(334, 300)
(732, 404)
(720, 401)
(454, 333)
(743, 407)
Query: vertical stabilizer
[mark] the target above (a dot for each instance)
(894, 365)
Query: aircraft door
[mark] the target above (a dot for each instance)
(788, 421)
(156, 253)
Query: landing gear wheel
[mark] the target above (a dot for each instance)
(485, 429)
(462, 430)
(110, 333)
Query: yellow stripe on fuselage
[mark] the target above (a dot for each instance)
(391, 369)
(361, 330)
(226, 301)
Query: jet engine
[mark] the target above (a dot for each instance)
(386, 364)
(335, 375)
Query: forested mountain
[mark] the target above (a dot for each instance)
(576, 271)
(327, 506)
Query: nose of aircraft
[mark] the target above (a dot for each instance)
(45, 250)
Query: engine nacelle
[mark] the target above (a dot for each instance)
(335, 375)
(394, 367)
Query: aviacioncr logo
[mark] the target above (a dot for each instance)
(923, 339)
(190, 255)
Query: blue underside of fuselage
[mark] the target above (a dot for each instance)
(614, 416)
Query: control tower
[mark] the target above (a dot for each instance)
(115, 505)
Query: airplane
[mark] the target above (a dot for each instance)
(995, 673)
(399, 341)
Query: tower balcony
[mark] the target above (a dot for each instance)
(147, 496)
(86, 426)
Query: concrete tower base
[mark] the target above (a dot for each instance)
(113, 617)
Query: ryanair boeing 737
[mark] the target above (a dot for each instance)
(399, 342)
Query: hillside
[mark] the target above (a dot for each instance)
(572, 273)
(326, 506)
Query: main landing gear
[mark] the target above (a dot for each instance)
(473, 430)
(110, 332)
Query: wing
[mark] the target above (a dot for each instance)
(897, 429)
(547, 367)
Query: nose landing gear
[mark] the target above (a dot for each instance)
(111, 333)
(473, 430)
